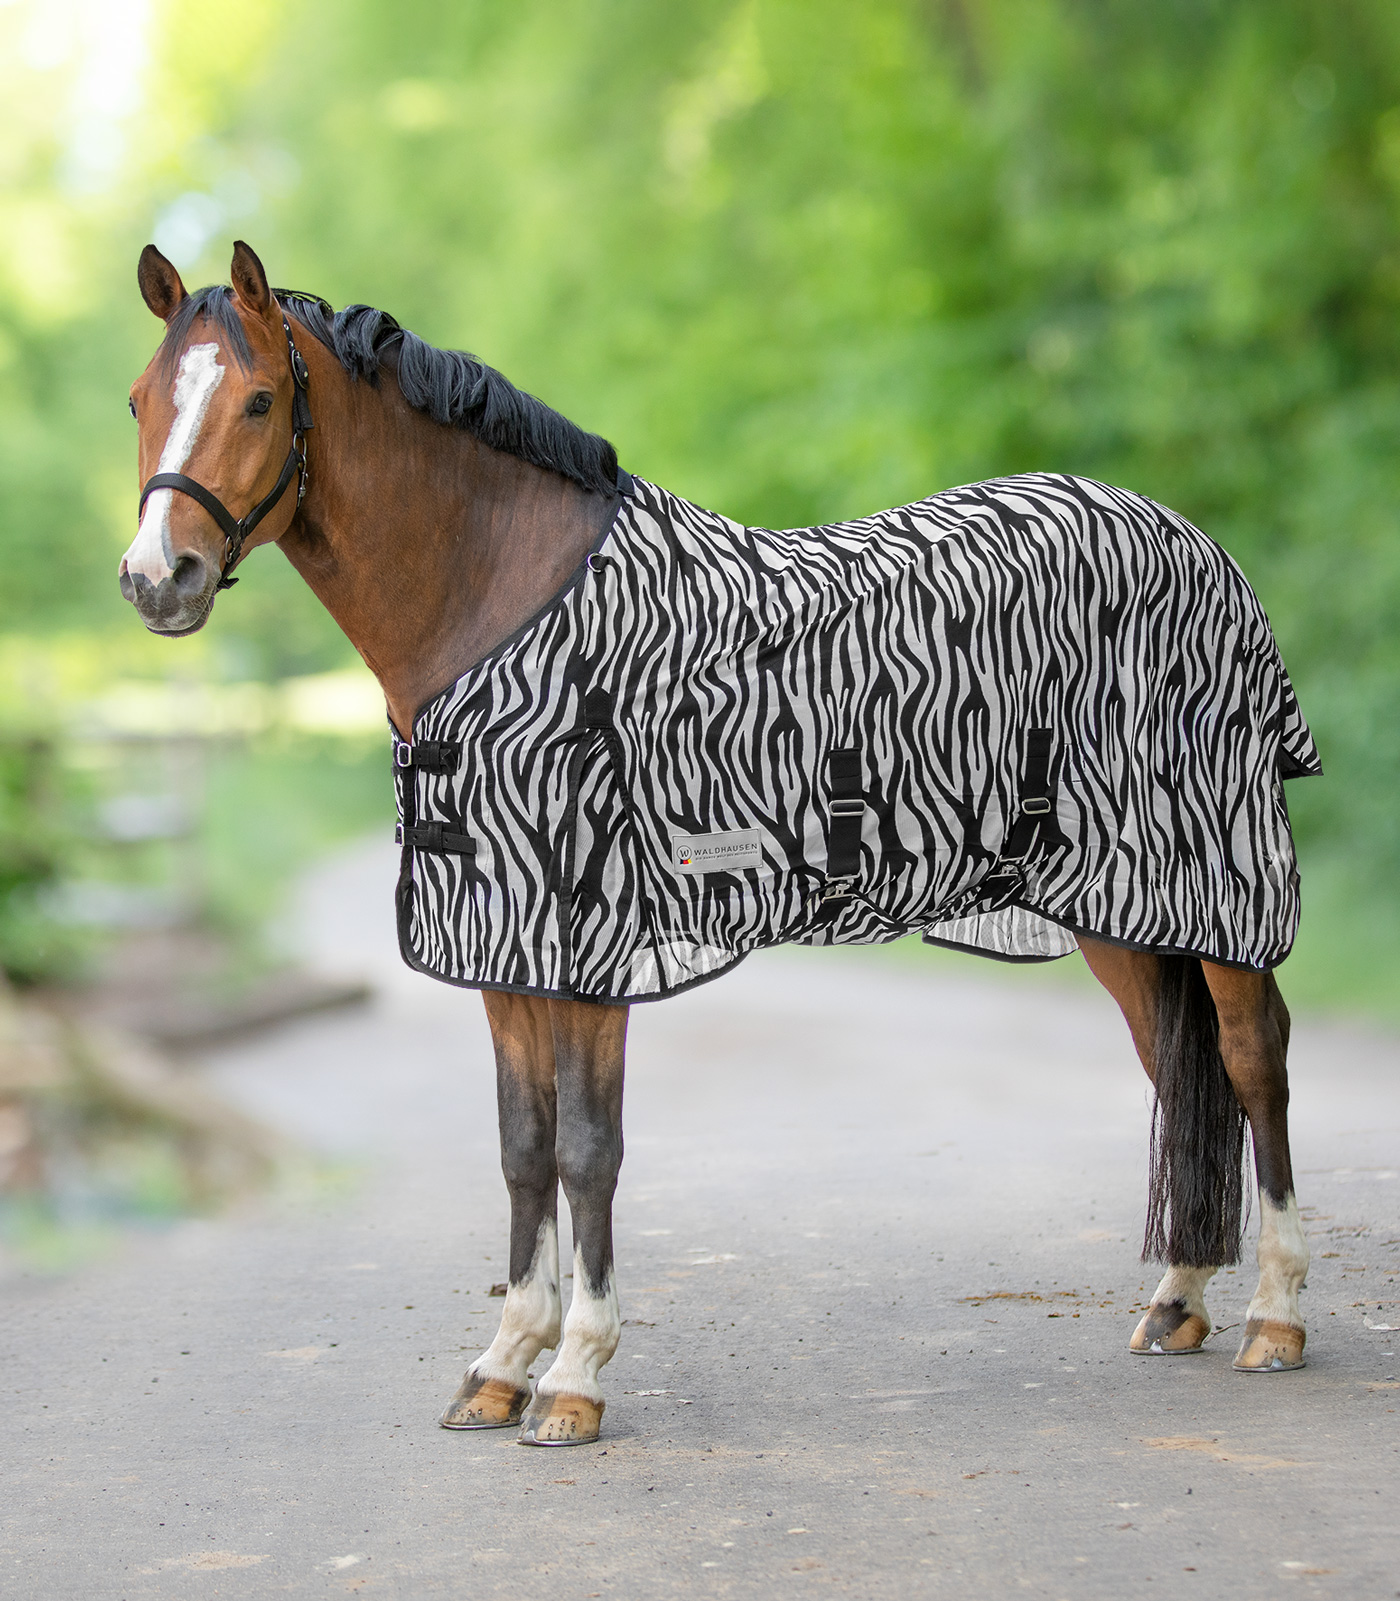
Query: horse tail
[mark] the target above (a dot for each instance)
(1196, 1188)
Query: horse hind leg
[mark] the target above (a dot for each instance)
(1214, 1041)
(1177, 1322)
(496, 1388)
(1254, 1028)
(589, 1042)
(1148, 994)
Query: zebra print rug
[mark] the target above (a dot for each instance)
(1009, 713)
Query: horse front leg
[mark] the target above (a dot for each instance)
(496, 1390)
(1254, 1028)
(589, 1046)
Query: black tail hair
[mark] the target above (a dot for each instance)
(1196, 1189)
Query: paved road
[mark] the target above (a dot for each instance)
(877, 1236)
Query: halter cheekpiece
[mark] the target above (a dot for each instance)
(237, 529)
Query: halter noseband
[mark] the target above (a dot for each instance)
(237, 529)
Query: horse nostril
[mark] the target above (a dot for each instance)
(133, 586)
(190, 575)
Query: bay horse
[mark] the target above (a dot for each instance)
(442, 517)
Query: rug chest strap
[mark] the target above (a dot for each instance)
(429, 755)
(435, 837)
(846, 813)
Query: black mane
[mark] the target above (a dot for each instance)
(453, 388)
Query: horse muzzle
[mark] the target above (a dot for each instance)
(179, 603)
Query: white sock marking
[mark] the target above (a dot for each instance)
(199, 376)
(1283, 1263)
(591, 1335)
(530, 1317)
(1186, 1285)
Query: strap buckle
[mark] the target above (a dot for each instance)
(845, 808)
(1036, 806)
(398, 833)
(1004, 868)
(441, 756)
(839, 889)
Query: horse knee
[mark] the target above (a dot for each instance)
(589, 1160)
(528, 1167)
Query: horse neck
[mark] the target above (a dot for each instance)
(426, 546)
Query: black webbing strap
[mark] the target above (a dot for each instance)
(229, 525)
(429, 755)
(1035, 819)
(434, 837)
(1035, 797)
(597, 709)
(846, 812)
(1034, 824)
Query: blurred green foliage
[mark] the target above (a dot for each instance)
(35, 843)
(800, 260)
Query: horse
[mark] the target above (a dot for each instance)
(448, 522)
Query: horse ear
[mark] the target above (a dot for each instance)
(249, 280)
(160, 284)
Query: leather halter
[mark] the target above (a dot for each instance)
(237, 529)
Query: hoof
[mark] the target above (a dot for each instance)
(1270, 1347)
(484, 1404)
(1169, 1330)
(562, 1420)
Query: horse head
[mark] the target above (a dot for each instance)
(221, 410)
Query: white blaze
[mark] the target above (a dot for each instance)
(199, 376)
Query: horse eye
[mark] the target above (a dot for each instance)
(260, 405)
(131, 405)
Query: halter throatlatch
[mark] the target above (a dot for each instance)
(237, 529)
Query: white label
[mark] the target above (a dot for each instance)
(716, 853)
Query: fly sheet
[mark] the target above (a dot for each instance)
(1012, 712)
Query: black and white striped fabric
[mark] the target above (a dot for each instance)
(1014, 711)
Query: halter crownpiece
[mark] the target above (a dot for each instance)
(237, 529)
